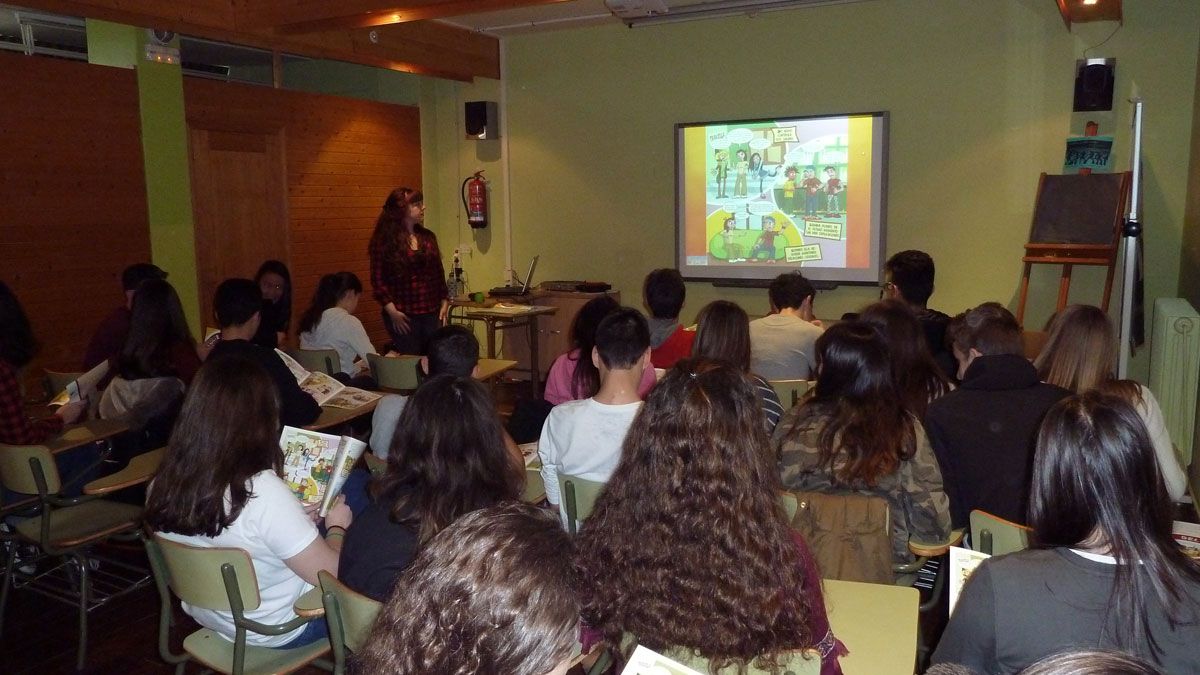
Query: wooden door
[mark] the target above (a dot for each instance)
(239, 200)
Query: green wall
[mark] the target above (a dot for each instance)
(980, 102)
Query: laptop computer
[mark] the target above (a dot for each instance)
(502, 291)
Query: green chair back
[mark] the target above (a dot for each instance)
(790, 391)
(878, 622)
(996, 536)
(29, 469)
(535, 488)
(577, 497)
(324, 360)
(394, 372)
(194, 573)
(350, 616)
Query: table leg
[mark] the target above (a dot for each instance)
(533, 355)
(491, 337)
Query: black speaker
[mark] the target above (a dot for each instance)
(1094, 80)
(483, 120)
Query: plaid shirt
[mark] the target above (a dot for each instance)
(15, 426)
(414, 280)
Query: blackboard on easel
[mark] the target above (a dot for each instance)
(1076, 221)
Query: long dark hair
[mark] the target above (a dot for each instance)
(862, 419)
(585, 382)
(492, 593)
(329, 292)
(228, 430)
(687, 545)
(17, 345)
(447, 456)
(917, 378)
(1095, 472)
(282, 308)
(156, 326)
(723, 332)
(389, 226)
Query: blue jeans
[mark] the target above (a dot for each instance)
(314, 631)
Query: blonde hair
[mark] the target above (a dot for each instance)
(1080, 352)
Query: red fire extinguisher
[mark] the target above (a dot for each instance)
(474, 198)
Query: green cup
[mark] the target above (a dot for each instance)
(477, 296)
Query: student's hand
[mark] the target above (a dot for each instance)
(72, 412)
(339, 514)
(205, 348)
(313, 511)
(399, 320)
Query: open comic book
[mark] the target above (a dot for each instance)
(324, 389)
(648, 662)
(1187, 535)
(316, 465)
(963, 562)
(84, 387)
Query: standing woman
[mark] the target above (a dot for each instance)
(276, 285)
(407, 276)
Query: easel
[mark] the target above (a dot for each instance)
(1057, 238)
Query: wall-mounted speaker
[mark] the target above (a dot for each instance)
(482, 120)
(1094, 79)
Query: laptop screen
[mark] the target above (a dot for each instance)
(529, 276)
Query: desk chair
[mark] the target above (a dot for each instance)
(996, 536)
(790, 391)
(1194, 482)
(535, 487)
(324, 360)
(576, 499)
(395, 373)
(796, 662)
(350, 617)
(877, 623)
(64, 529)
(213, 578)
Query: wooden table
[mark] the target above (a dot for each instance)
(84, 433)
(139, 470)
(331, 417)
(489, 368)
(499, 317)
(310, 605)
(877, 623)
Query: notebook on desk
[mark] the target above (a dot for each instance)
(508, 291)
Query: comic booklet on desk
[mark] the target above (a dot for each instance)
(316, 465)
(324, 389)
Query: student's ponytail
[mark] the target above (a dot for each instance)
(327, 295)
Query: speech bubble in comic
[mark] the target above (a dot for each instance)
(804, 253)
(823, 229)
(761, 208)
(760, 143)
(740, 135)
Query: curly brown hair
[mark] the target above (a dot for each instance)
(688, 547)
(492, 593)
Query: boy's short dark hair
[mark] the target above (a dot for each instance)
(789, 290)
(912, 272)
(135, 274)
(622, 337)
(665, 292)
(453, 350)
(236, 302)
(989, 329)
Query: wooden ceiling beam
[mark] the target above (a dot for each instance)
(298, 16)
(427, 48)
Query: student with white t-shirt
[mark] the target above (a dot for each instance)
(583, 438)
(329, 323)
(226, 443)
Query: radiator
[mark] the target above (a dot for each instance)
(1175, 369)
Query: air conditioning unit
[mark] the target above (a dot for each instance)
(633, 9)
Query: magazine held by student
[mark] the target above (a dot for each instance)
(316, 465)
(324, 389)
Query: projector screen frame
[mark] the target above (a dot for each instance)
(879, 207)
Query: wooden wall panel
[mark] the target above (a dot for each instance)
(343, 157)
(72, 197)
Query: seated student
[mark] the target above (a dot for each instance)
(219, 486)
(1079, 355)
(110, 335)
(909, 278)
(453, 462)
(983, 432)
(1104, 571)
(781, 343)
(723, 332)
(159, 358)
(583, 438)
(917, 377)
(492, 593)
(853, 434)
(573, 376)
(275, 283)
(664, 293)
(237, 304)
(17, 348)
(687, 547)
(329, 323)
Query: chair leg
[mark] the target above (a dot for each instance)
(9, 561)
(84, 598)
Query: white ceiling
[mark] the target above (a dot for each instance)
(537, 18)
